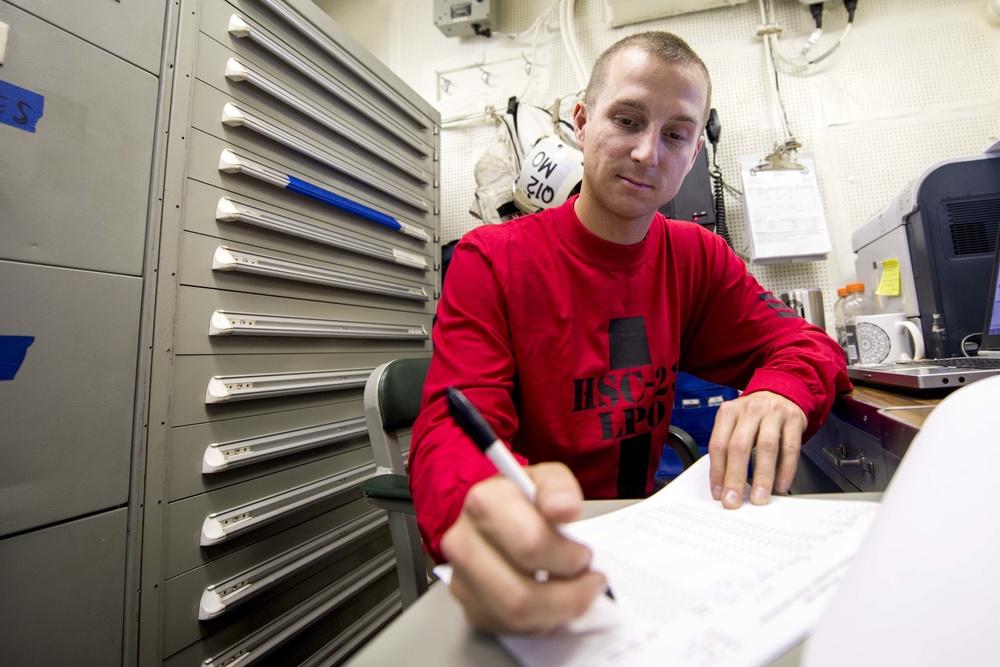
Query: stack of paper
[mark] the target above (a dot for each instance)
(697, 584)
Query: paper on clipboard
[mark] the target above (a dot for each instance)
(784, 212)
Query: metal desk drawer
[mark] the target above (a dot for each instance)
(853, 458)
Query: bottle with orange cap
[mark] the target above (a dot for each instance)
(838, 319)
(857, 302)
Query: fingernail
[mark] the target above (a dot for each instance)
(759, 494)
(732, 498)
(717, 491)
(781, 486)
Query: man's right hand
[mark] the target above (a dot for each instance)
(500, 541)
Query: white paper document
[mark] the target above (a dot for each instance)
(784, 212)
(696, 584)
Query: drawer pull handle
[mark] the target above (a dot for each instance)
(241, 72)
(222, 596)
(246, 261)
(234, 116)
(254, 647)
(230, 210)
(241, 29)
(228, 323)
(222, 456)
(839, 456)
(220, 526)
(231, 162)
(226, 388)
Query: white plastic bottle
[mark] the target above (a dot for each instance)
(856, 303)
(838, 319)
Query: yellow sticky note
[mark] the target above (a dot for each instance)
(889, 285)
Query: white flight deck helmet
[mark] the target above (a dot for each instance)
(551, 172)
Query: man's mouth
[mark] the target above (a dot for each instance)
(632, 181)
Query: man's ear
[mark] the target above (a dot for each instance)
(697, 149)
(579, 121)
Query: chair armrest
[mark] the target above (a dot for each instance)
(390, 492)
(681, 442)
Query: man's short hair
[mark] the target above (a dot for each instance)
(664, 45)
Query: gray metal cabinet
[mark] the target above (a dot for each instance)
(298, 251)
(78, 104)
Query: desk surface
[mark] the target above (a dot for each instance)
(433, 632)
(905, 408)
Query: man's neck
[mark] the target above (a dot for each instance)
(609, 227)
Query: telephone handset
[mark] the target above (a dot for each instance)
(713, 129)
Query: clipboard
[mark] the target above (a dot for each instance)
(783, 207)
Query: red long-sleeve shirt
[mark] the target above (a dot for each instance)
(570, 345)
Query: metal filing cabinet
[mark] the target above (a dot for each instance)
(74, 224)
(273, 306)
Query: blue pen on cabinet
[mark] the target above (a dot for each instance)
(476, 427)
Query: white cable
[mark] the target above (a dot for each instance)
(582, 70)
(565, 29)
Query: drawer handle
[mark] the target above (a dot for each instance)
(839, 456)
(220, 526)
(256, 646)
(247, 261)
(230, 210)
(231, 162)
(228, 323)
(240, 28)
(226, 388)
(234, 116)
(241, 72)
(222, 596)
(294, 19)
(221, 456)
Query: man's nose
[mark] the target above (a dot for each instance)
(646, 149)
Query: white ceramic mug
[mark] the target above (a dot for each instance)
(881, 339)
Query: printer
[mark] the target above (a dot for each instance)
(942, 230)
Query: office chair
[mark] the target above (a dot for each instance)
(392, 402)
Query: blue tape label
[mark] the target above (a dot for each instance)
(19, 107)
(12, 351)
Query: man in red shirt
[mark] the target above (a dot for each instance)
(567, 329)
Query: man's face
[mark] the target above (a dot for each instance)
(639, 136)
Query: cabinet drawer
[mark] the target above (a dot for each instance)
(194, 375)
(202, 528)
(853, 458)
(75, 190)
(102, 24)
(228, 591)
(64, 593)
(213, 455)
(66, 446)
(220, 322)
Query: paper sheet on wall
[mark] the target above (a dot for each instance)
(784, 212)
(696, 584)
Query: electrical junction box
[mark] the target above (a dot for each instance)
(457, 18)
(626, 12)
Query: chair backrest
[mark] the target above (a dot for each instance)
(392, 402)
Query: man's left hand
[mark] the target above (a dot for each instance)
(773, 424)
